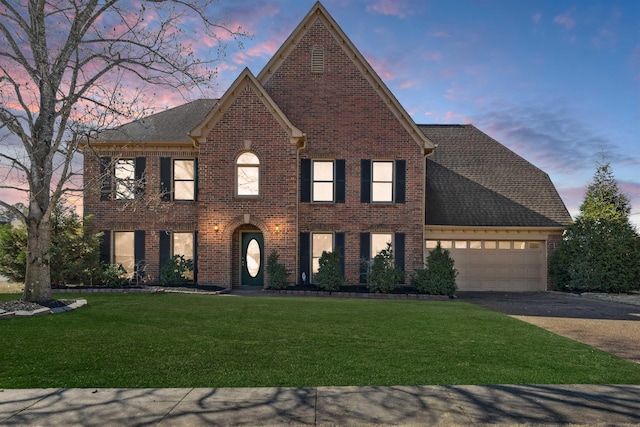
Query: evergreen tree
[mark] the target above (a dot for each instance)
(603, 200)
(601, 249)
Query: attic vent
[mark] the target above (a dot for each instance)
(317, 60)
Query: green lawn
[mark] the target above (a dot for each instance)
(174, 340)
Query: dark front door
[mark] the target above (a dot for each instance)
(251, 259)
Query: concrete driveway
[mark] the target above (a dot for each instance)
(609, 326)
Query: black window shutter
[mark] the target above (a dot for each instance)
(195, 180)
(138, 252)
(365, 181)
(140, 169)
(165, 247)
(165, 178)
(365, 255)
(305, 180)
(398, 250)
(340, 247)
(305, 257)
(105, 178)
(401, 178)
(105, 247)
(340, 180)
(195, 257)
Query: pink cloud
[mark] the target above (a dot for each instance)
(389, 7)
(382, 67)
(536, 18)
(565, 20)
(263, 50)
(408, 84)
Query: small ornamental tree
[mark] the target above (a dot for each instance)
(384, 276)
(277, 272)
(329, 275)
(439, 276)
(600, 251)
(176, 271)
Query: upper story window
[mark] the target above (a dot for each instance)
(184, 179)
(248, 174)
(382, 181)
(323, 179)
(178, 179)
(125, 179)
(122, 179)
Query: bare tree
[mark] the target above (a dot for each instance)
(69, 68)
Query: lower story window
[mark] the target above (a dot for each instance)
(182, 244)
(320, 242)
(124, 250)
(380, 241)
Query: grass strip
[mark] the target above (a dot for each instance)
(176, 340)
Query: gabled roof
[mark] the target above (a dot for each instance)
(319, 12)
(199, 132)
(167, 127)
(473, 180)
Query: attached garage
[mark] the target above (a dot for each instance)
(497, 265)
(498, 215)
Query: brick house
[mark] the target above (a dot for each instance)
(315, 154)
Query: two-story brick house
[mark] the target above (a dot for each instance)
(312, 154)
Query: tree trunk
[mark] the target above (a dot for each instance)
(37, 284)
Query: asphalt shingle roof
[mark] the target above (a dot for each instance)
(172, 125)
(473, 180)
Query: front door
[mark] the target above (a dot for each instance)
(251, 259)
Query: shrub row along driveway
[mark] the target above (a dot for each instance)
(609, 326)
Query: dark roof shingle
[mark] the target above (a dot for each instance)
(172, 125)
(473, 180)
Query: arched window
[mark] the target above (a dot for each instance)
(248, 174)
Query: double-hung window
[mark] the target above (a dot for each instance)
(125, 179)
(320, 242)
(183, 244)
(178, 179)
(248, 175)
(323, 181)
(184, 179)
(382, 181)
(122, 179)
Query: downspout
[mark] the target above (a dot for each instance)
(427, 154)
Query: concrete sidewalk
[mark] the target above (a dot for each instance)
(363, 406)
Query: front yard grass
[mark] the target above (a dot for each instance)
(177, 340)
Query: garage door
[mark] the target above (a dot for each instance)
(497, 265)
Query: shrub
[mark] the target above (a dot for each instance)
(113, 275)
(384, 276)
(13, 252)
(277, 272)
(176, 271)
(439, 276)
(597, 256)
(329, 275)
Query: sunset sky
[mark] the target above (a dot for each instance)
(556, 81)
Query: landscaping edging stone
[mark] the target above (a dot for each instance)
(42, 311)
(365, 295)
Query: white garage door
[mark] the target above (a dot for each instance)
(497, 265)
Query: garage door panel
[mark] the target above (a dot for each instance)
(520, 268)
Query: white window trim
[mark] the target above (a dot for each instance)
(129, 183)
(371, 242)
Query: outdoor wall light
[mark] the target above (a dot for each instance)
(277, 229)
(216, 228)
